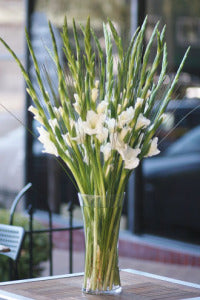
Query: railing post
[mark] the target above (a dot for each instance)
(70, 210)
(50, 244)
(30, 212)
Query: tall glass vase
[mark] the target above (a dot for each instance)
(101, 225)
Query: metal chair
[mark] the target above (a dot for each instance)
(12, 237)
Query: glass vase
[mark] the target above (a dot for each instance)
(101, 217)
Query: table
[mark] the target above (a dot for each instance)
(136, 285)
(4, 248)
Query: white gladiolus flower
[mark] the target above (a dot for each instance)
(129, 155)
(94, 122)
(126, 116)
(153, 150)
(117, 142)
(142, 122)
(125, 102)
(106, 150)
(86, 158)
(119, 108)
(80, 133)
(33, 110)
(101, 108)
(111, 123)
(44, 138)
(53, 123)
(77, 107)
(37, 116)
(102, 135)
(139, 102)
(76, 104)
(94, 94)
(76, 97)
(59, 112)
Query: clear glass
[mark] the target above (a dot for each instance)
(101, 224)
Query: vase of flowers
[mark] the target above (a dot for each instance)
(101, 125)
(101, 224)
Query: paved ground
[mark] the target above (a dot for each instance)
(61, 266)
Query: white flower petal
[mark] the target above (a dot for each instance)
(116, 141)
(80, 133)
(36, 114)
(112, 124)
(102, 135)
(53, 123)
(153, 150)
(129, 155)
(126, 117)
(106, 150)
(139, 102)
(94, 122)
(86, 158)
(76, 97)
(142, 122)
(44, 138)
(77, 107)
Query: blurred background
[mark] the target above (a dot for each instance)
(163, 196)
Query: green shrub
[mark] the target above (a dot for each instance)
(40, 248)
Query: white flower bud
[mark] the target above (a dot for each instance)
(96, 84)
(94, 94)
(126, 117)
(101, 108)
(139, 102)
(125, 102)
(119, 108)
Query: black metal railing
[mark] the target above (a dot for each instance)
(31, 231)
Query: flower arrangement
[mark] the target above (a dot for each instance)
(102, 125)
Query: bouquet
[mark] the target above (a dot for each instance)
(101, 125)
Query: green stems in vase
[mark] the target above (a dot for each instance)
(101, 225)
